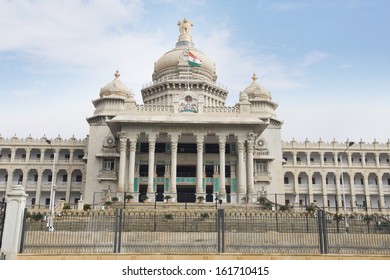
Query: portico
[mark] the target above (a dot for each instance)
(185, 159)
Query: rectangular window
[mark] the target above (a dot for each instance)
(79, 178)
(299, 180)
(35, 178)
(261, 167)
(144, 148)
(286, 180)
(109, 164)
(313, 180)
(64, 178)
(49, 178)
(160, 148)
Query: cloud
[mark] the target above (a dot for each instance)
(314, 57)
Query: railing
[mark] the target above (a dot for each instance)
(218, 231)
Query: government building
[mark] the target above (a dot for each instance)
(185, 143)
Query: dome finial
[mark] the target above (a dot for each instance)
(185, 30)
(117, 74)
(254, 77)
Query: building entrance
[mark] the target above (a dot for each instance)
(186, 194)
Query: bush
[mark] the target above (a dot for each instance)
(204, 215)
(129, 197)
(66, 206)
(87, 207)
(115, 199)
(168, 216)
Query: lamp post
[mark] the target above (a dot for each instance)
(342, 187)
(52, 193)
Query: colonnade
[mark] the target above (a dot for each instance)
(244, 161)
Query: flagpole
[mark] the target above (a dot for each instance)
(188, 65)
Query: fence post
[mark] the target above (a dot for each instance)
(16, 202)
(221, 230)
(325, 233)
(320, 231)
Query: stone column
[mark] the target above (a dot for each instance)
(28, 152)
(16, 202)
(68, 185)
(199, 163)
(353, 194)
(310, 186)
(377, 163)
(322, 159)
(339, 193)
(172, 184)
(133, 148)
(381, 194)
(324, 191)
(39, 188)
(152, 148)
(296, 191)
(241, 169)
(222, 163)
(294, 158)
(250, 179)
(367, 192)
(122, 164)
(363, 156)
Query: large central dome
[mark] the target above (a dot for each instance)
(174, 63)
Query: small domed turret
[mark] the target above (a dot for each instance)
(115, 89)
(257, 91)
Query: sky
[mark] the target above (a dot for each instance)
(326, 63)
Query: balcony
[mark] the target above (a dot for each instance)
(107, 175)
(262, 177)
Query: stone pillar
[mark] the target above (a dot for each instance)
(377, 163)
(353, 194)
(336, 159)
(133, 148)
(310, 186)
(39, 188)
(199, 163)
(151, 169)
(16, 202)
(172, 185)
(296, 191)
(324, 191)
(367, 192)
(363, 157)
(122, 164)
(339, 193)
(68, 184)
(349, 155)
(241, 169)
(294, 158)
(381, 194)
(222, 163)
(250, 179)
(322, 159)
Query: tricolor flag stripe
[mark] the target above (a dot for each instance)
(193, 60)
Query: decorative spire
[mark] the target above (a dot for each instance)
(254, 77)
(117, 74)
(185, 30)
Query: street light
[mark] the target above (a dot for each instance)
(342, 187)
(52, 193)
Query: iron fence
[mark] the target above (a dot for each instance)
(2, 218)
(207, 231)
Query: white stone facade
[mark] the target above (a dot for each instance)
(183, 141)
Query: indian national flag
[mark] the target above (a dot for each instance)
(193, 60)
